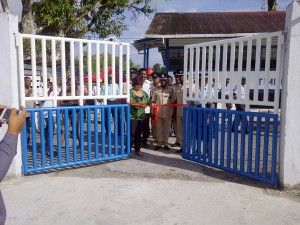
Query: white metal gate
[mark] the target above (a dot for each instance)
(78, 70)
(245, 72)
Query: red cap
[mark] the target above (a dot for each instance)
(149, 71)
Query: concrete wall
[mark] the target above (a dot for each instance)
(9, 89)
(290, 120)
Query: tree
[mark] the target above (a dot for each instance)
(272, 5)
(5, 6)
(26, 27)
(75, 18)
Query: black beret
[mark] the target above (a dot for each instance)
(178, 72)
(155, 75)
(133, 70)
(164, 76)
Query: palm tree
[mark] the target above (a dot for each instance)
(272, 5)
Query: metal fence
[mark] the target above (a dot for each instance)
(65, 139)
(59, 136)
(239, 142)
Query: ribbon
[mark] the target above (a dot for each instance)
(155, 107)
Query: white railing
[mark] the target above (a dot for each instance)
(51, 52)
(257, 59)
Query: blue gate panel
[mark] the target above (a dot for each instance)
(63, 136)
(241, 142)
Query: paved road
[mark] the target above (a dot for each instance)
(159, 188)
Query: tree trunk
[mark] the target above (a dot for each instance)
(5, 6)
(27, 27)
(272, 5)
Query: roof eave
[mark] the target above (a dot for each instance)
(200, 35)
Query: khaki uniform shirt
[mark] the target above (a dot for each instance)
(178, 97)
(163, 96)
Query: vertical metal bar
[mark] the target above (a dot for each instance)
(240, 59)
(122, 129)
(72, 68)
(184, 124)
(96, 132)
(250, 144)
(105, 74)
(266, 146)
(103, 118)
(90, 86)
(33, 66)
(44, 67)
(81, 131)
(185, 69)
(89, 132)
(194, 138)
(257, 152)
(116, 129)
(109, 134)
(188, 127)
(113, 69)
(210, 137)
(236, 138)
(21, 71)
(216, 137)
(257, 67)
(199, 126)
(54, 78)
(63, 68)
(66, 125)
(243, 134)
(274, 149)
(197, 71)
(33, 139)
(210, 62)
(81, 72)
(128, 129)
(98, 68)
(58, 132)
(74, 135)
(167, 55)
(50, 132)
(222, 138)
(224, 70)
(121, 69)
(203, 73)
(217, 71)
(24, 151)
(232, 62)
(191, 72)
(278, 74)
(205, 144)
(249, 56)
(267, 69)
(42, 137)
(229, 125)
(127, 81)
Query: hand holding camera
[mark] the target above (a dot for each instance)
(14, 118)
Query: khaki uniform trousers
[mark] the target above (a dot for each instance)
(178, 130)
(162, 131)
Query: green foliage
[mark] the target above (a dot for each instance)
(75, 18)
(157, 68)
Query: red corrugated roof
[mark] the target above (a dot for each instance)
(216, 23)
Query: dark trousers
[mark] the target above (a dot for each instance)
(136, 128)
(146, 128)
(238, 118)
(28, 128)
(47, 130)
(113, 116)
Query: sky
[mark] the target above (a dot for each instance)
(137, 28)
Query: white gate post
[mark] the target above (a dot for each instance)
(289, 168)
(9, 90)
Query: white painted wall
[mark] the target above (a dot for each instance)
(289, 170)
(9, 90)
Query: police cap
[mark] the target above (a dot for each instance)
(155, 75)
(164, 76)
(133, 71)
(178, 72)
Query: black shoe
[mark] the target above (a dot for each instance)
(145, 145)
(157, 147)
(179, 151)
(175, 145)
(167, 148)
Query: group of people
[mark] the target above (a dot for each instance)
(155, 100)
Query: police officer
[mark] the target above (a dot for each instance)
(133, 74)
(163, 95)
(156, 84)
(177, 111)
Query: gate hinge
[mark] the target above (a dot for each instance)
(16, 39)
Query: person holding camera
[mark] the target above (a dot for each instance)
(8, 147)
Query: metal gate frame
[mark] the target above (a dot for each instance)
(41, 157)
(238, 58)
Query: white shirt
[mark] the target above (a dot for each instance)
(212, 94)
(243, 87)
(49, 104)
(148, 88)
